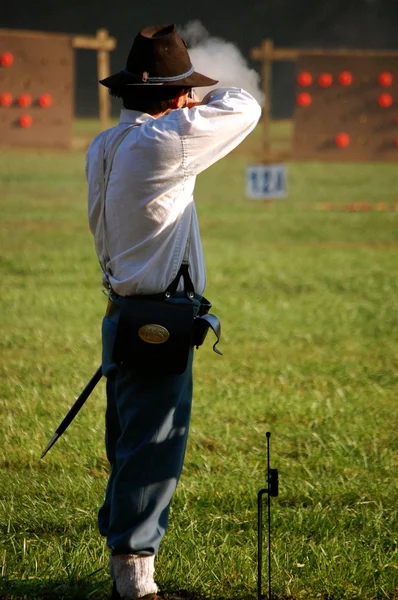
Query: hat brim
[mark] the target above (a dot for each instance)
(123, 79)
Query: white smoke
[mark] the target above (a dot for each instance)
(220, 60)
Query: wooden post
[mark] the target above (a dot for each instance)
(103, 66)
(265, 54)
(267, 48)
(103, 44)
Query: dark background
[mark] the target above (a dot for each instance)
(297, 23)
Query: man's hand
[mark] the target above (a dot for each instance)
(193, 100)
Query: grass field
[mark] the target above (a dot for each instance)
(308, 301)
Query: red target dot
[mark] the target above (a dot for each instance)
(325, 80)
(45, 100)
(25, 121)
(385, 100)
(385, 79)
(304, 79)
(6, 99)
(6, 59)
(396, 141)
(24, 100)
(304, 99)
(342, 140)
(345, 78)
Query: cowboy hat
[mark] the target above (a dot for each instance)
(159, 56)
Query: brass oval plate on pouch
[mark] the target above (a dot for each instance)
(153, 334)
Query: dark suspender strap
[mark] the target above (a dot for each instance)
(183, 271)
(189, 289)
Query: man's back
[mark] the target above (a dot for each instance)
(149, 200)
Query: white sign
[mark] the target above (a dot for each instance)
(266, 181)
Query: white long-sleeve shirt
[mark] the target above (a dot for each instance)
(149, 200)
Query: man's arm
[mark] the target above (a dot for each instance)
(213, 128)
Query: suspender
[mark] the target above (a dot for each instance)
(103, 179)
(100, 231)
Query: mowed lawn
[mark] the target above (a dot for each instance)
(309, 308)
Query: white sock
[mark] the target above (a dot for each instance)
(133, 575)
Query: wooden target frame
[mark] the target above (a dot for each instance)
(346, 103)
(36, 89)
(37, 85)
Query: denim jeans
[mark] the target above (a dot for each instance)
(147, 422)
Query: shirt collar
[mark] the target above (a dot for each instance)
(133, 116)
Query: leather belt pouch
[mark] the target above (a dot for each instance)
(154, 334)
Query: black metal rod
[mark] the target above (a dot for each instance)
(260, 542)
(268, 434)
(74, 410)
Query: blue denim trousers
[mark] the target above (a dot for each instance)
(146, 429)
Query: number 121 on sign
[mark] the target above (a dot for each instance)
(266, 181)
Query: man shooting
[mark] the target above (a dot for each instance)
(141, 177)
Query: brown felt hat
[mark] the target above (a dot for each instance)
(159, 56)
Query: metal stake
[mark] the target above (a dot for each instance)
(270, 490)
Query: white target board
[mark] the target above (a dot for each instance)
(266, 182)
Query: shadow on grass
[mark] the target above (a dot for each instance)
(52, 589)
(80, 589)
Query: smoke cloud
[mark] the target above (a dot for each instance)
(220, 60)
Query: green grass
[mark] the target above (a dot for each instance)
(308, 301)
